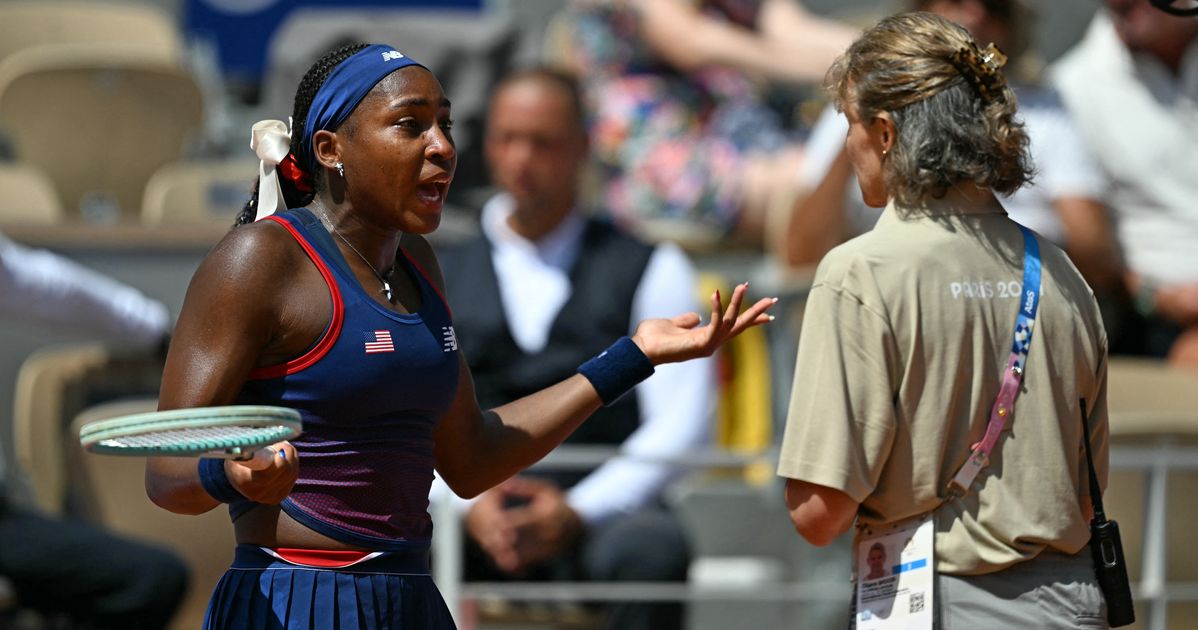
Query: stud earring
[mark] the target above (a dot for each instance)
(341, 170)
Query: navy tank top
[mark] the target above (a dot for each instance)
(370, 391)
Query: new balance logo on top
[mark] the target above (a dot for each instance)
(449, 339)
(391, 55)
(379, 341)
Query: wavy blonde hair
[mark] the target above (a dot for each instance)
(948, 131)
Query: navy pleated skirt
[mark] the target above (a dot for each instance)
(391, 592)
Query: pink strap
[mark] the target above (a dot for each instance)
(1000, 414)
(1004, 404)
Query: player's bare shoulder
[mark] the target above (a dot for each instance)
(259, 249)
(249, 268)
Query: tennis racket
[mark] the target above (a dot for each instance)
(239, 432)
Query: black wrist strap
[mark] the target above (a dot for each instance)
(1095, 491)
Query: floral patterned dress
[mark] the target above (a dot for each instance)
(669, 144)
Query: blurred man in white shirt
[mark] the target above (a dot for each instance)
(540, 291)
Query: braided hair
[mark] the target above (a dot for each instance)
(308, 87)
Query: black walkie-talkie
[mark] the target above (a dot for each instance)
(1106, 548)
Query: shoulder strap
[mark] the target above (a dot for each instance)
(1095, 492)
(1004, 406)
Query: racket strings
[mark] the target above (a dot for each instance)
(194, 439)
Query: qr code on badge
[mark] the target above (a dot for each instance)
(916, 602)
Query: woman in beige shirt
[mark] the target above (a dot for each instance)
(907, 334)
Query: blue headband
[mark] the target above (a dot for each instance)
(344, 88)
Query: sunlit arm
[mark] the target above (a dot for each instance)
(817, 221)
(791, 44)
(1090, 242)
(225, 326)
(476, 450)
(820, 514)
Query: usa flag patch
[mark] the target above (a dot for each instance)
(379, 341)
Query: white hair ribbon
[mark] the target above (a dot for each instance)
(271, 141)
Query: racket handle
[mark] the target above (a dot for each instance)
(260, 459)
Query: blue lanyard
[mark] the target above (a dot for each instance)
(1029, 296)
(1004, 405)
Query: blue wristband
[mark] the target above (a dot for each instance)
(617, 369)
(216, 482)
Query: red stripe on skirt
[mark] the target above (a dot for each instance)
(325, 558)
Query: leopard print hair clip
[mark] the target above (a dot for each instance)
(982, 68)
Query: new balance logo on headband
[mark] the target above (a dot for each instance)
(392, 55)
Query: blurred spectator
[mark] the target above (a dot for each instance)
(1131, 85)
(1064, 203)
(688, 148)
(540, 290)
(59, 566)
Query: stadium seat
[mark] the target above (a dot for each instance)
(99, 119)
(1154, 420)
(27, 195)
(114, 491)
(61, 388)
(198, 192)
(52, 386)
(30, 23)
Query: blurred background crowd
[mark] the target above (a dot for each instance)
(697, 128)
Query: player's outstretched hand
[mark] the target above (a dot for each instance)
(681, 338)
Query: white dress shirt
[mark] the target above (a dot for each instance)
(42, 287)
(677, 403)
(1141, 121)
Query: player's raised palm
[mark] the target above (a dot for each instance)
(681, 338)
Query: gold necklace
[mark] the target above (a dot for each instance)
(386, 290)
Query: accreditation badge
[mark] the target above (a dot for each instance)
(896, 573)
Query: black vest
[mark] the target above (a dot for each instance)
(604, 279)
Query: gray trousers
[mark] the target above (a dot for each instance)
(1052, 591)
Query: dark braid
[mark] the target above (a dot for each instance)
(308, 87)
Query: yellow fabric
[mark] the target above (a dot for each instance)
(744, 414)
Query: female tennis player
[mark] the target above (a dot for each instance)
(331, 303)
